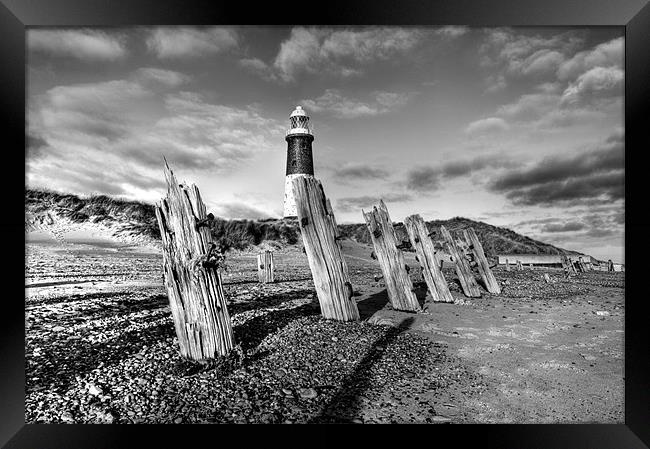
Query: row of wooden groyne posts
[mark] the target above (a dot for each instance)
(191, 263)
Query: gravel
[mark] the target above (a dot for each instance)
(113, 358)
(110, 355)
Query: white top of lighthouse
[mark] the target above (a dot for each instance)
(299, 122)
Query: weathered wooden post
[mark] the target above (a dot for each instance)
(463, 271)
(582, 264)
(330, 214)
(572, 265)
(475, 246)
(507, 265)
(191, 271)
(567, 265)
(420, 276)
(265, 267)
(391, 259)
(328, 268)
(423, 245)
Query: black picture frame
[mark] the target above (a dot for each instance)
(633, 15)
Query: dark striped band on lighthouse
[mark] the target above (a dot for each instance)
(299, 156)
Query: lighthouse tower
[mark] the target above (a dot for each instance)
(299, 158)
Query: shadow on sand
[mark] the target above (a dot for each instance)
(265, 302)
(252, 332)
(255, 281)
(372, 304)
(345, 405)
(378, 301)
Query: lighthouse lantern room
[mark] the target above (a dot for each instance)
(299, 156)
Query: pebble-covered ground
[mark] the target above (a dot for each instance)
(103, 349)
(100, 347)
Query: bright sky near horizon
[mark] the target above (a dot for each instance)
(517, 127)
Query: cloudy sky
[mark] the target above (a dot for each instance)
(517, 127)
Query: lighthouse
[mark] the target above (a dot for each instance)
(299, 158)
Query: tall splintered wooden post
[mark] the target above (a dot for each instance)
(265, 267)
(391, 259)
(191, 272)
(328, 268)
(463, 270)
(423, 245)
(507, 265)
(330, 214)
(475, 246)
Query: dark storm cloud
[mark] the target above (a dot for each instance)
(423, 179)
(591, 237)
(600, 232)
(536, 222)
(607, 218)
(594, 226)
(560, 168)
(36, 146)
(359, 172)
(570, 180)
(351, 204)
(428, 178)
(564, 227)
(599, 222)
(35, 141)
(458, 168)
(571, 191)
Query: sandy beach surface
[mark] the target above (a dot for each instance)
(100, 346)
